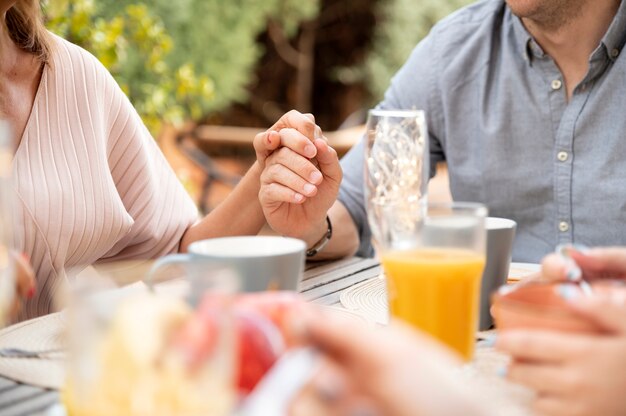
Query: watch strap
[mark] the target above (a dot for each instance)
(317, 247)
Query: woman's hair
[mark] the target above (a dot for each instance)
(26, 28)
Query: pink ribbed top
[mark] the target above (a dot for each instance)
(91, 182)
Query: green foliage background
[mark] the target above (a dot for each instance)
(183, 59)
(403, 24)
(180, 59)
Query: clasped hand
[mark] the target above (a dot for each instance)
(300, 178)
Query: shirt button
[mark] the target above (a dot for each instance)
(563, 226)
(562, 156)
(556, 84)
(615, 53)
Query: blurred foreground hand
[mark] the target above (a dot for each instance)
(385, 371)
(577, 374)
(24, 287)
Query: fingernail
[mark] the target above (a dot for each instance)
(309, 189)
(315, 177)
(565, 249)
(26, 257)
(318, 132)
(574, 273)
(31, 292)
(298, 197)
(310, 150)
(567, 292)
(502, 371)
(581, 248)
(490, 341)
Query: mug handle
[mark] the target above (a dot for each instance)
(163, 262)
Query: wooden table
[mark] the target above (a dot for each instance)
(323, 283)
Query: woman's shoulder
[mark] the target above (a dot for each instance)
(69, 58)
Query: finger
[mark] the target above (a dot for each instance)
(318, 131)
(351, 342)
(25, 276)
(601, 262)
(540, 377)
(296, 163)
(296, 120)
(543, 346)
(339, 337)
(328, 161)
(607, 310)
(283, 176)
(297, 142)
(554, 268)
(265, 142)
(275, 193)
(550, 405)
(15, 309)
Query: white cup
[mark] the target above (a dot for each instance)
(262, 262)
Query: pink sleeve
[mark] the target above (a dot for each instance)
(160, 208)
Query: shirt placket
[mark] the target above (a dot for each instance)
(564, 117)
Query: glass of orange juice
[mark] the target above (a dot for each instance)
(433, 279)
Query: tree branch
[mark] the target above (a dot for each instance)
(287, 52)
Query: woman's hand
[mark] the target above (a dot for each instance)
(574, 374)
(596, 263)
(300, 179)
(394, 370)
(24, 284)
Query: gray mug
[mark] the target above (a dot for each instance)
(500, 235)
(261, 262)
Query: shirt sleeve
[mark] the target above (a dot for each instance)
(160, 208)
(413, 87)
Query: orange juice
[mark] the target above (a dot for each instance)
(437, 290)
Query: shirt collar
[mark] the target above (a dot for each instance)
(615, 37)
(528, 48)
(613, 40)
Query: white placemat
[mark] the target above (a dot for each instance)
(39, 334)
(47, 333)
(518, 271)
(368, 298)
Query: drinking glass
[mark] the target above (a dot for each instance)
(433, 278)
(433, 255)
(158, 350)
(7, 272)
(396, 173)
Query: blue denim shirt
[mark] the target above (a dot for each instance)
(498, 114)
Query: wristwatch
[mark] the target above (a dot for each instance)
(317, 247)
